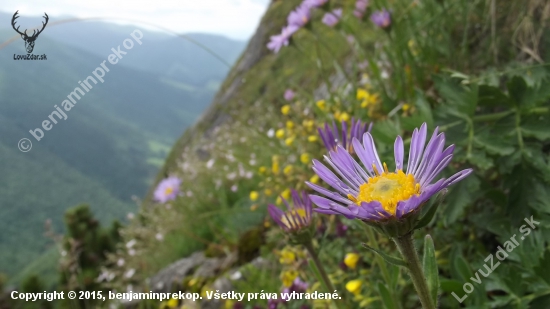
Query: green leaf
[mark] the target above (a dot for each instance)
(429, 264)
(517, 89)
(387, 300)
(461, 98)
(536, 128)
(460, 196)
(431, 210)
(494, 144)
(390, 259)
(492, 96)
(542, 269)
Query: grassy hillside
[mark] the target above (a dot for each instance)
(480, 77)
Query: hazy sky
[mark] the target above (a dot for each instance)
(233, 18)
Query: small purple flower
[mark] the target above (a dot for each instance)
(167, 189)
(299, 17)
(332, 138)
(381, 18)
(280, 40)
(289, 95)
(272, 304)
(314, 3)
(297, 217)
(371, 192)
(298, 286)
(360, 8)
(332, 18)
(361, 5)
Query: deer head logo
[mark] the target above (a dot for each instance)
(29, 40)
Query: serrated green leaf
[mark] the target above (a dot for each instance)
(390, 259)
(429, 264)
(387, 300)
(494, 144)
(536, 127)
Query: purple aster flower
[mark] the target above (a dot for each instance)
(314, 3)
(381, 18)
(297, 217)
(167, 189)
(371, 192)
(332, 18)
(289, 95)
(332, 138)
(280, 40)
(299, 17)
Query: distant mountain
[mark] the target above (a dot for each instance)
(114, 138)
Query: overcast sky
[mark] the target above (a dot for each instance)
(236, 19)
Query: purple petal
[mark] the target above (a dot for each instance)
(399, 152)
(417, 147)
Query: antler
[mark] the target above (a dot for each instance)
(43, 26)
(13, 24)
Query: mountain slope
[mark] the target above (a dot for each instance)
(107, 150)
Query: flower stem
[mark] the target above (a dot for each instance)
(321, 269)
(407, 249)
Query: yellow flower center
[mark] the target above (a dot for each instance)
(168, 190)
(290, 221)
(387, 188)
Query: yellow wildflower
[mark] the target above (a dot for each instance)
(280, 133)
(287, 257)
(314, 179)
(321, 104)
(289, 141)
(275, 167)
(406, 107)
(362, 94)
(254, 195)
(344, 117)
(268, 192)
(286, 194)
(312, 138)
(229, 304)
(288, 277)
(262, 170)
(289, 124)
(351, 260)
(278, 201)
(305, 158)
(172, 303)
(287, 170)
(354, 286)
(309, 124)
(285, 109)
